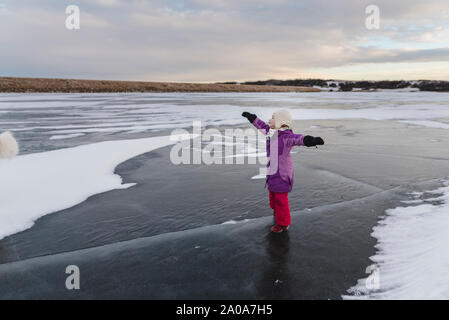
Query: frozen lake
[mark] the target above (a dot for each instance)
(94, 176)
(38, 118)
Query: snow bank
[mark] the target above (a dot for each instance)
(37, 184)
(413, 255)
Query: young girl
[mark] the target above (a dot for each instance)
(280, 167)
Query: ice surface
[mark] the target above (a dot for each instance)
(428, 123)
(411, 239)
(70, 114)
(318, 258)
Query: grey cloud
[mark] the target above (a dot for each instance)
(200, 40)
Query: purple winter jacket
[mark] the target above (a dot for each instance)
(279, 169)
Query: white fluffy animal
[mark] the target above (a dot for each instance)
(8, 145)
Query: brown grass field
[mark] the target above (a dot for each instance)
(12, 84)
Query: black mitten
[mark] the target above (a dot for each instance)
(250, 116)
(310, 141)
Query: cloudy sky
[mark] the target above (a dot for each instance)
(224, 40)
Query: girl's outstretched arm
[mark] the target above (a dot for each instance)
(259, 124)
(295, 140)
(300, 140)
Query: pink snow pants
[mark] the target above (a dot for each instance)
(279, 203)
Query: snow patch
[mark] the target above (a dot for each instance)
(412, 256)
(38, 184)
(66, 136)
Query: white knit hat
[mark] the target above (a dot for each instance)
(282, 117)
